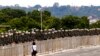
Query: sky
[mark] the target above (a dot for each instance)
(27, 3)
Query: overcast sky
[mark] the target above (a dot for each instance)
(50, 2)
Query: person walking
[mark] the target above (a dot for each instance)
(34, 51)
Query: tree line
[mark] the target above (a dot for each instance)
(62, 10)
(22, 20)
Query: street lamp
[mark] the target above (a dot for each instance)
(41, 20)
(40, 9)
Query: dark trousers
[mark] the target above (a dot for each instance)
(34, 53)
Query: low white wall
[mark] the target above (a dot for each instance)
(50, 45)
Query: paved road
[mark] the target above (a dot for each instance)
(79, 52)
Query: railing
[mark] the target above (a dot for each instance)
(13, 36)
(50, 45)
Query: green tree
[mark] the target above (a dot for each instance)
(3, 17)
(46, 14)
(23, 23)
(69, 22)
(35, 14)
(29, 23)
(95, 25)
(52, 22)
(13, 13)
(15, 23)
(83, 22)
